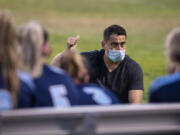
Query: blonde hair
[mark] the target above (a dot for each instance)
(31, 42)
(73, 63)
(8, 55)
(173, 46)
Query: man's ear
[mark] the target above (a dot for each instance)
(103, 44)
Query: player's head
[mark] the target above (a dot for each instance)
(74, 64)
(173, 46)
(8, 54)
(33, 39)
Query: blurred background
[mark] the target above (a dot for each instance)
(147, 23)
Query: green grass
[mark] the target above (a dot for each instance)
(140, 8)
(147, 23)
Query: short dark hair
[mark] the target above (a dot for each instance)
(113, 29)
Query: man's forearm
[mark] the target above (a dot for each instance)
(55, 60)
(135, 96)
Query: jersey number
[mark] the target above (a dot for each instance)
(59, 95)
(98, 96)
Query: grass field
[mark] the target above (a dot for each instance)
(147, 23)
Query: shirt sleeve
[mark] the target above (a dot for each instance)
(136, 78)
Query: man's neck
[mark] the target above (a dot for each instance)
(110, 64)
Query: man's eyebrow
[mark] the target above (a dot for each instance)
(114, 42)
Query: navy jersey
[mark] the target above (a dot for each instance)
(166, 89)
(27, 91)
(92, 94)
(26, 84)
(55, 88)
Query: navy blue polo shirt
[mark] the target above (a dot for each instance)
(166, 89)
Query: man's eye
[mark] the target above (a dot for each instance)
(114, 44)
(122, 43)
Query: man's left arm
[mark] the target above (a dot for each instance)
(135, 96)
(136, 87)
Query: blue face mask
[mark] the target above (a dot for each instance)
(116, 55)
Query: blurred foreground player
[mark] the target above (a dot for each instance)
(167, 88)
(53, 86)
(12, 81)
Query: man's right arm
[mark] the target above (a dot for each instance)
(71, 45)
(55, 60)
